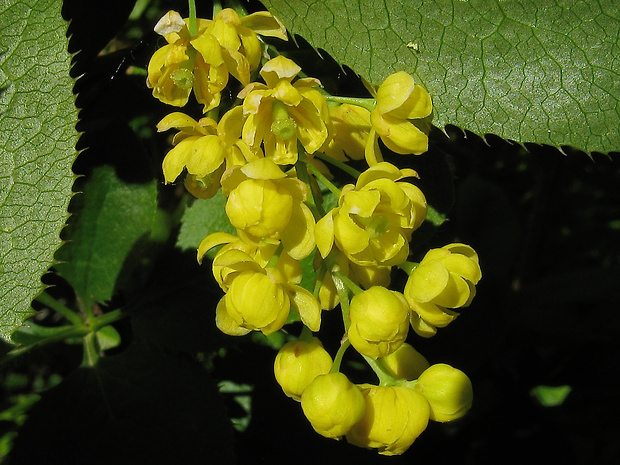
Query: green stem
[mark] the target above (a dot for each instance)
(385, 379)
(302, 173)
(217, 7)
(193, 26)
(306, 335)
(321, 177)
(66, 312)
(367, 103)
(338, 164)
(91, 350)
(348, 283)
(106, 319)
(343, 294)
(408, 267)
(338, 358)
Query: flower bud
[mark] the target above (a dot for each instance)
(401, 107)
(447, 390)
(332, 404)
(405, 363)
(298, 363)
(379, 321)
(255, 302)
(395, 416)
(445, 278)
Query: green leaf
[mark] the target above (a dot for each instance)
(115, 216)
(203, 217)
(551, 396)
(539, 71)
(37, 149)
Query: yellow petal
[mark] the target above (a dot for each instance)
(399, 135)
(298, 236)
(306, 306)
(426, 282)
(265, 24)
(278, 68)
(463, 266)
(213, 240)
(324, 234)
(434, 315)
(176, 120)
(372, 152)
(175, 160)
(418, 105)
(226, 323)
(169, 23)
(206, 156)
(394, 91)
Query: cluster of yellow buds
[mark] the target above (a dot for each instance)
(269, 149)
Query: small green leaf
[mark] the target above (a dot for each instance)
(202, 218)
(108, 338)
(115, 216)
(37, 149)
(531, 71)
(551, 396)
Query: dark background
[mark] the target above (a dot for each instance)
(546, 226)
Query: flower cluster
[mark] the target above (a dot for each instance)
(268, 144)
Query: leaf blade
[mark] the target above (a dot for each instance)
(37, 120)
(527, 71)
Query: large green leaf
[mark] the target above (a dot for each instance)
(543, 71)
(37, 123)
(104, 246)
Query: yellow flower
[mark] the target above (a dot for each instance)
(226, 44)
(379, 322)
(298, 363)
(280, 112)
(399, 117)
(447, 390)
(205, 148)
(257, 300)
(395, 416)
(445, 278)
(374, 220)
(187, 62)
(264, 202)
(405, 363)
(332, 404)
(241, 49)
(349, 128)
(238, 255)
(254, 302)
(247, 304)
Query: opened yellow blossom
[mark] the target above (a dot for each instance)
(205, 148)
(298, 363)
(395, 416)
(282, 112)
(187, 62)
(263, 202)
(332, 404)
(349, 129)
(400, 117)
(379, 321)
(374, 220)
(237, 35)
(445, 279)
(202, 61)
